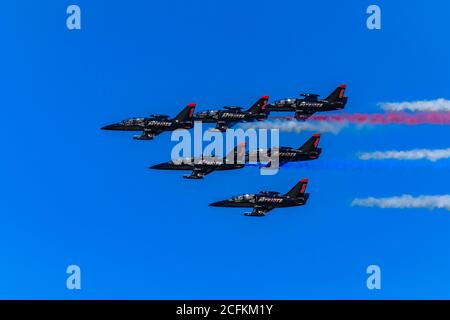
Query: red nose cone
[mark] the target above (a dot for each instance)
(343, 86)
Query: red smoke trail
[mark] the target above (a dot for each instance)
(405, 118)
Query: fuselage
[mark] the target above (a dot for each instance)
(213, 116)
(196, 163)
(285, 154)
(306, 105)
(263, 200)
(140, 124)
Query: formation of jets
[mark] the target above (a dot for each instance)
(225, 118)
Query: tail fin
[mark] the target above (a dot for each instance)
(337, 94)
(299, 189)
(237, 155)
(186, 113)
(260, 106)
(311, 144)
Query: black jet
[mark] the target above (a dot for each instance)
(308, 151)
(266, 201)
(155, 124)
(229, 116)
(310, 103)
(203, 166)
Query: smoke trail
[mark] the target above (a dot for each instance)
(334, 123)
(403, 118)
(423, 105)
(417, 154)
(406, 201)
(298, 126)
(357, 165)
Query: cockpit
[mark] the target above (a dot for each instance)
(184, 160)
(243, 197)
(209, 112)
(132, 121)
(284, 101)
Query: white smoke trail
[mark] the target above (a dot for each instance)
(406, 201)
(417, 154)
(298, 126)
(437, 105)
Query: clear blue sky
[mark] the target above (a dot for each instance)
(73, 194)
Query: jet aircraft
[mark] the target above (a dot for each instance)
(310, 103)
(155, 124)
(266, 201)
(203, 166)
(231, 115)
(308, 151)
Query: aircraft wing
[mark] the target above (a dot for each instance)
(152, 132)
(199, 173)
(172, 166)
(222, 126)
(148, 134)
(258, 211)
